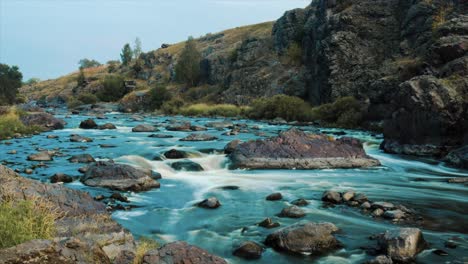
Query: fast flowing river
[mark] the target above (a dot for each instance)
(167, 214)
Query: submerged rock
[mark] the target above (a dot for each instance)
(78, 138)
(458, 157)
(305, 238)
(180, 252)
(296, 149)
(82, 158)
(41, 156)
(274, 197)
(119, 177)
(199, 137)
(88, 124)
(248, 250)
(160, 136)
(107, 126)
(268, 223)
(292, 212)
(175, 154)
(300, 202)
(210, 203)
(144, 128)
(186, 165)
(402, 245)
(60, 177)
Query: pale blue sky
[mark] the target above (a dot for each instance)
(47, 38)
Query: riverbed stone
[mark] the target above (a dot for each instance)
(81, 158)
(383, 205)
(305, 238)
(186, 165)
(402, 245)
(295, 149)
(268, 223)
(274, 197)
(231, 146)
(88, 124)
(60, 177)
(144, 128)
(210, 203)
(292, 212)
(347, 196)
(394, 214)
(180, 252)
(300, 202)
(78, 138)
(248, 250)
(119, 177)
(199, 137)
(378, 212)
(41, 156)
(175, 154)
(107, 126)
(332, 197)
(382, 259)
(179, 126)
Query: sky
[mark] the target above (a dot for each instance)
(47, 38)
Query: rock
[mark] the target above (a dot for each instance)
(28, 171)
(378, 212)
(179, 126)
(107, 126)
(383, 205)
(197, 128)
(119, 177)
(231, 146)
(458, 180)
(160, 136)
(144, 128)
(450, 244)
(180, 252)
(199, 137)
(41, 156)
(68, 250)
(78, 138)
(268, 223)
(107, 146)
(44, 120)
(402, 245)
(186, 165)
(366, 205)
(60, 177)
(360, 198)
(52, 136)
(274, 197)
(220, 125)
(88, 124)
(230, 188)
(248, 250)
(119, 197)
(125, 257)
(300, 202)
(458, 157)
(82, 158)
(380, 260)
(440, 252)
(292, 212)
(304, 238)
(12, 152)
(99, 197)
(347, 196)
(296, 149)
(210, 203)
(331, 197)
(394, 214)
(175, 154)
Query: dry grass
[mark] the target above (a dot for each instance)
(144, 245)
(10, 124)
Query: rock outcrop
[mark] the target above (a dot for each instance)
(44, 120)
(180, 253)
(402, 245)
(297, 149)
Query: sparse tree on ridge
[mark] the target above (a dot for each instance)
(137, 48)
(187, 68)
(87, 63)
(126, 55)
(10, 81)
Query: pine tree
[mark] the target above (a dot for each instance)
(126, 54)
(187, 68)
(137, 48)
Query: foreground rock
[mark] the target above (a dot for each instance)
(292, 212)
(41, 156)
(249, 250)
(305, 238)
(119, 177)
(458, 157)
(175, 154)
(186, 165)
(44, 120)
(60, 177)
(181, 253)
(88, 124)
(210, 203)
(81, 158)
(402, 245)
(144, 128)
(296, 149)
(199, 137)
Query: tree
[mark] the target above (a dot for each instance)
(137, 48)
(81, 80)
(126, 54)
(113, 88)
(87, 63)
(187, 68)
(10, 81)
(157, 96)
(32, 81)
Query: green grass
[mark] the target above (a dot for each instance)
(290, 108)
(144, 245)
(10, 124)
(25, 220)
(226, 110)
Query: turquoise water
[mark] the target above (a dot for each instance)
(168, 214)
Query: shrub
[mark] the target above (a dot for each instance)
(172, 106)
(88, 98)
(10, 124)
(293, 54)
(112, 66)
(226, 110)
(113, 88)
(87, 63)
(25, 220)
(126, 55)
(144, 245)
(157, 96)
(283, 106)
(187, 69)
(345, 112)
(73, 102)
(81, 79)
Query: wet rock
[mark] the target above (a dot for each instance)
(292, 212)
(119, 197)
(210, 203)
(199, 137)
(186, 165)
(268, 223)
(99, 197)
(220, 125)
(300, 202)
(440, 252)
(44, 120)
(366, 205)
(179, 126)
(450, 244)
(360, 198)
(458, 157)
(125, 257)
(107, 146)
(305, 238)
(83, 169)
(107, 126)
(144, 128)
(378, 212)
(197, 128)
(274, 197)
(88, 124)
(41, 156)
(458, 180)
(331, 197)
(383, 205)
(394, 214)
(180, 253)
(175, 154)
(297, 149)
(230, 188)
(12, 152)
(347, 196)
(52, 136)
(402, 245)
(231, 146)
(119, 177)
(248, 250)
(60, 177)
(160, 136)
(28, 171)
(380, 260)
(82, 158)
(78, 138)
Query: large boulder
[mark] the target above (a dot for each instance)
(181, 253)
(43, 120)
(107, 126)
(41, 156)
(88, 124)
(199, 137)
(179, 126)
(175, 154)
(305, 238)
(120, 177)
(458, 157)
(402, 245)
(186, 165)
(144, 128)
(81, 158)
(248, 250)
(297, 149)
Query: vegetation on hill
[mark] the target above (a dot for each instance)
(10, 123)
(10, 81)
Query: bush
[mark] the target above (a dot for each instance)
(112, 66)
(10, 81)
(10, 124)
(157, 96)
(226, 110)
(88, 98)
(25, 220)
(187, 68)
(87, 63)
(113, 88)
(73, 102)
(172, 106)
(293, 54)
(144, 245)
(345, 112)
(283, 106)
